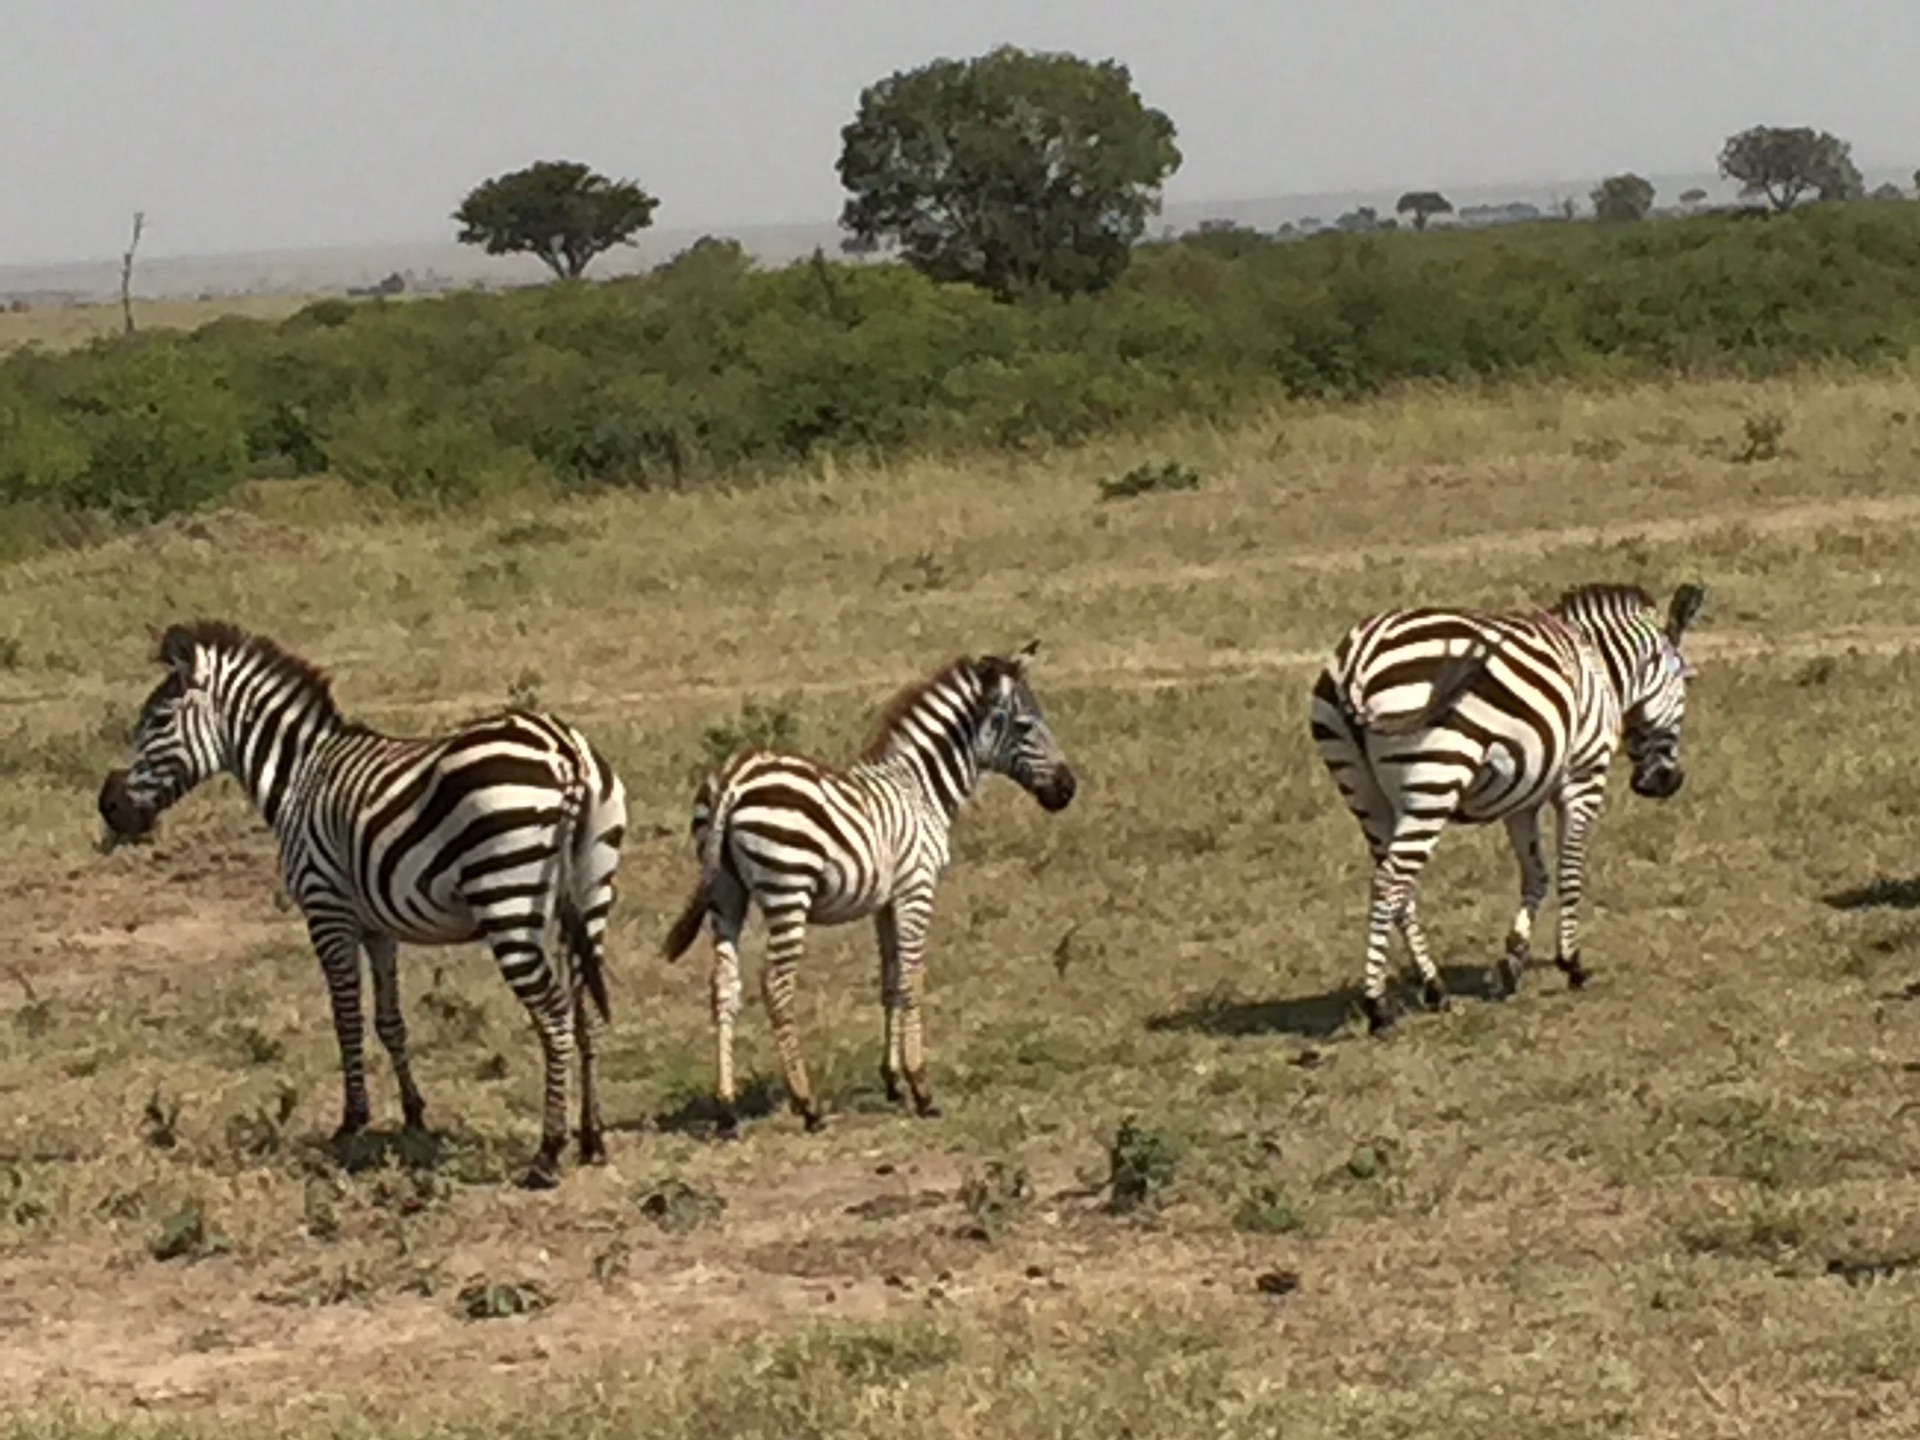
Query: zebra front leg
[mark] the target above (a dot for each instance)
(891, 1065)
(391, 1026)
(912, 914)
(339, 950)
(786, 942)
(1523, 830)
(1576, 825)
(593, 1143)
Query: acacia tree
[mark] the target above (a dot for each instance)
(558, 210)
(1423, 205)
(1784, 165)
(1622, 198)
(1014, 170)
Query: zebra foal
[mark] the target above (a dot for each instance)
(1426, 717)
(809, 843)
(485, 834)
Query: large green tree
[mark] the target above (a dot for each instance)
(1784, 164)
(557, 209)
(1620, 198)
(1015, 171)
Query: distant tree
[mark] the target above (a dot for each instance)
(1692, 197)
(1013, 170)
(1916, 182)
(1783, 165)
(710, 258)
(558, 210)
(1362, 221)
(1423, 205)
(1621, 198)
(1228, 239)
(1887, 192)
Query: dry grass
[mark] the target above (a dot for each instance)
(1575, 1215)
(65, 327)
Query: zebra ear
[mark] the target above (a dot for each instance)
(1024, 657)
(175, 650)
(1687, 601)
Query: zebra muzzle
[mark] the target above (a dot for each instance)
(1057, 793)
(1662, 783)
(124, 819)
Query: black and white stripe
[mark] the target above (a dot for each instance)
(1426, 717)
(813, 844)
(485, 834)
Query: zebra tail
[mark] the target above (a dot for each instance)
(1450, 685)
(711, 812)
(573, 926)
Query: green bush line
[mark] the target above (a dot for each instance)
(705, 366)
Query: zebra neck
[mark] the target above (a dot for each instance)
(271, 740)
(939, 765)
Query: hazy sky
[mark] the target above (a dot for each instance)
(275, 124)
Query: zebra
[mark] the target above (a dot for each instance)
(486, 833)
(1429, 716)
(812, 844)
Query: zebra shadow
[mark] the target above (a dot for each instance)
(1317, 1017)
(699, 1113)
(1880, 893)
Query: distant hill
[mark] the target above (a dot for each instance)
(447, 265)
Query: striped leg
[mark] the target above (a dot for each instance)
(388, 1023)
(339, 952)
(912, 914)
(1433, 990)
(726, 1012)
(593, 1145)
(1524, 831)
(1391, 904)
(891, 1063)
(1577, 814)
(515, 935)
(786, 942)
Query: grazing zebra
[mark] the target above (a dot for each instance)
(487, 833)
(1431, 716)
(813, 844)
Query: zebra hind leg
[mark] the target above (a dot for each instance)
(1523, 830)
(1433, 989)
(786, 941)
(593, 1144)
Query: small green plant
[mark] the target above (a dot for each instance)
(1169, 476)
(759, 727)
(483, 1299)
(11, 652)
(1761, 438)
(261, 1132)
(524, 692)
(459, 1020)
(1366, 1162)
(186, 1235)
(257, 1047)
(676, 1206)
(1267, 1209)
(1140, 1166)
(1598, 447)
(34, 1018)
(994, 1198)
(17, 1203)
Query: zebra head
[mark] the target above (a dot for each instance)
(1655, 699)
(178, 742)
(1013, 737)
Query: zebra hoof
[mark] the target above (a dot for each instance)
(1506, 977)
(414, 1115)
(593, 1148)
(895, 1095)
(927, 1109)
(1576, 973)
(542, 1174)
(1434, 996)
(727, 1127)
(1379, 1018)
(813, 1120)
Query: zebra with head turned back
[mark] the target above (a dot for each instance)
(487, 833)
(813, 844)
(1426, 717)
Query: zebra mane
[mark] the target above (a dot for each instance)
(1603, 596)
(177, 645)
(909, 697)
